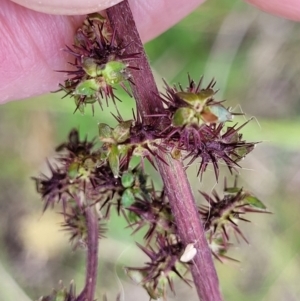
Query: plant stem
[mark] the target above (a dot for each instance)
(88, 292)
(174, 177)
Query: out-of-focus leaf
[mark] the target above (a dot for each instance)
(127, 198)
(255, 202)
(114, 162)
(127, 179)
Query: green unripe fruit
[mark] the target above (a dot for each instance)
(127, 179)
(90, 66)
(183, 116)
(87, 87)
(127, 198)
(114, 72)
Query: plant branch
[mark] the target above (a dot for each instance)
(88, 292)
(174, 177)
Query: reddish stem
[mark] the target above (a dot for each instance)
(88, 292)
(176, 184)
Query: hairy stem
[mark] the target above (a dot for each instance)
(88, 292)
(174, 177)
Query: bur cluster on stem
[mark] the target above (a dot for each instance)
(89, 178)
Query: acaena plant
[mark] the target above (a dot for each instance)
(172, 129)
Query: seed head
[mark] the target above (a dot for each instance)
(100, 63)
(75, 223)
(62, 294)
(130, 138)
(218, 143)
(223, 214)
(160, 271)
(194, 106)
(154, 213)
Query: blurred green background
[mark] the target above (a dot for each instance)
(255, 59)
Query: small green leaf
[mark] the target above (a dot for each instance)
(232, 189)
(255, 202)
(105, 132)
(241, 152)
(122, 131)
(188, 97)
(205, 94)
(114, 161)
(127, 179)
(127, 198)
